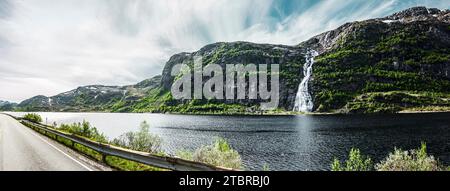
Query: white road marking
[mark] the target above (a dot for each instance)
(56, 148)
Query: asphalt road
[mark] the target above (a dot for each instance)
(22, 149)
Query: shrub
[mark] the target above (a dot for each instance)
(33, 117)
(414, 160)
(266, 167)
(399, 160)
(355, 162)
(142, 140)
(219, 153)
(85, 130)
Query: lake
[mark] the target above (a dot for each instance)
(306, 142)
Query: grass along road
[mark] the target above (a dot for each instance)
(22, 149)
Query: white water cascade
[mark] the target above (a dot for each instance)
(303, 100)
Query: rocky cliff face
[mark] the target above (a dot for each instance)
(386, 64)
(290, 59)
(341, 36)
(407, 51)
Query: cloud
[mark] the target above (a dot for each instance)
(47, 47)
(5, 8)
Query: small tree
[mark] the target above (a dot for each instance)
(142, 140)
(219, 153)
(33, 117)
(355, 162)
(84, 129)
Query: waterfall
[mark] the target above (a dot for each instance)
(303, 100)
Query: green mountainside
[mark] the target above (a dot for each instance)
(385, 65)
(7, 106)
(392, 64)
(90, 98)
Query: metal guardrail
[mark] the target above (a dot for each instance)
(170, 163)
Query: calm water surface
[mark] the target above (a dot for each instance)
(283, 142)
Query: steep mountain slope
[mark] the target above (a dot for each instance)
(290, 60)
(390, 64)
(400, 62)
(384, 65)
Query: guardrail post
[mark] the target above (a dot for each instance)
(104, 158)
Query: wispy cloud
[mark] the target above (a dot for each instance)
(47, 46)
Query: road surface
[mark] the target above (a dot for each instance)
(22, 149)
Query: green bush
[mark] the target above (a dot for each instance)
(414, 160)
(399, 160)
(219, 153)
(266, 167)
(142, 140)
(33, 117)
(355, 162)
(85, 130)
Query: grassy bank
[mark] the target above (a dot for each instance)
(398, 101)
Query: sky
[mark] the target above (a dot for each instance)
(48, 47)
